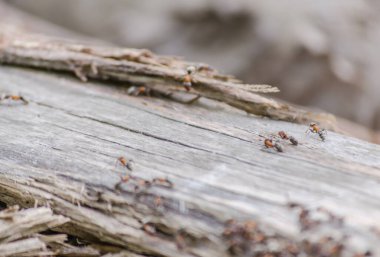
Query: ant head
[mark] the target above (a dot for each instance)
(190, 69)
(312, 124)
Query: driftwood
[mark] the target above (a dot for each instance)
(163, 74)
(230, 195)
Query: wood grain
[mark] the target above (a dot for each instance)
(62, 147)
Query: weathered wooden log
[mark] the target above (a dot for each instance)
(230, 195)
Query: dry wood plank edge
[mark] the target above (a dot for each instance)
(162, 74)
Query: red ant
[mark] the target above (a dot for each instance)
(142, 185)
(158, 201)
(270, 144)
(188, 79)
(14, 98)
(163, 182)
(180, 239)
(313, 128)
(292, 140)
(136, 91)
(129, 164)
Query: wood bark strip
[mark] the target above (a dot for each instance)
(136, 66)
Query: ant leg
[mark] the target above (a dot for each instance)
(24, 100)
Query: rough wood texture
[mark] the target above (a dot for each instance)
(61, 149)
(16, 226)
(163, 74)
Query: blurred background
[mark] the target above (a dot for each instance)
(322, 53)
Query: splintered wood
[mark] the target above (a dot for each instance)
(142, 67)
(19, 228)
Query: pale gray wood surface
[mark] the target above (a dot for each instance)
(61, 149)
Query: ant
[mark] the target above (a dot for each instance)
(313, 128)
(144, 183)
(141, 185)
(187, 79)
(292, 140)
(163, 182)
(129, 164)
(14, 98)
(180, 240)
(136, 91)
(187, 82)
(125, 179)
(268, 143)
(158, 202)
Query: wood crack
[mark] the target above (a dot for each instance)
(149, 135)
